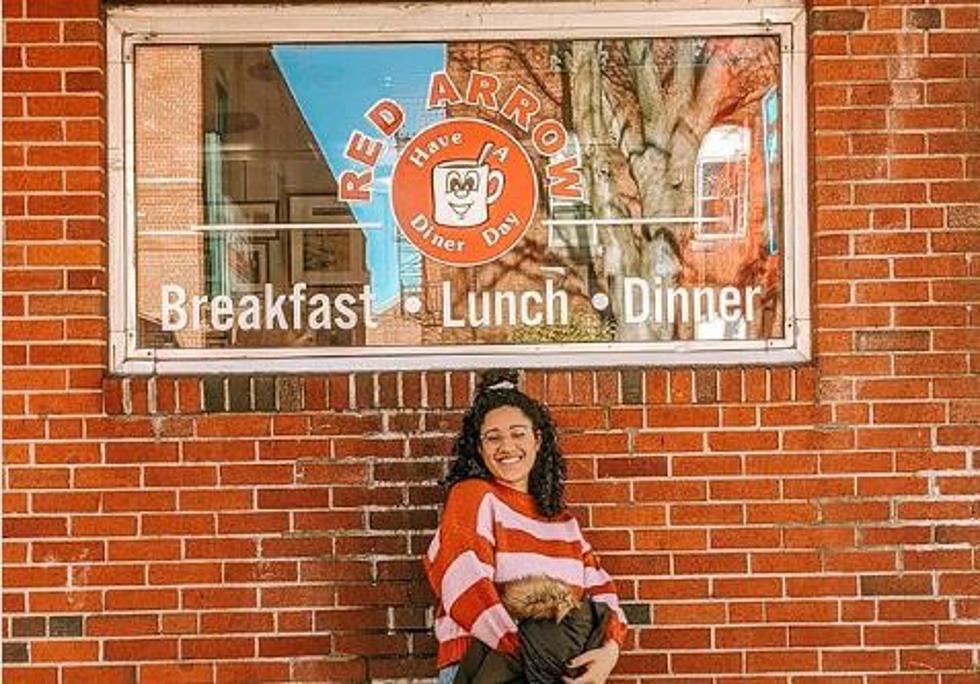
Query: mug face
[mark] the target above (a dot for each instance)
(460, 190)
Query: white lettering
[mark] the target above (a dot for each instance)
(273, 310)
(635, 288)
(673, 294)
(222, 313)
(551, 297)
(250, 317)
(369, 320)
(296, 298)
(172, 298)
(268, 311)
(320, 318)
(491, 235)
(704, 296)
(447, 308)
(526, 299)
(198, 302)
(347, 317)
(510, 299)
(729, 304)
(500, 308)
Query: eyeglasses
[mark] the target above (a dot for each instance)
(494, 439)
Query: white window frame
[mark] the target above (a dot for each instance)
(354, 22)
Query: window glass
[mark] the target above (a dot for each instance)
(458, 193)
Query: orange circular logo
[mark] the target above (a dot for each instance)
(464, 192)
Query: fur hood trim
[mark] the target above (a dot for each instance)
(539, 597)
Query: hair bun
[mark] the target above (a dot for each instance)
(498, 379)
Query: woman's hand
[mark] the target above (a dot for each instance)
(598, 663)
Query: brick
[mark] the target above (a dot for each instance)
(743, 441)
(121, 625)
(123, 674)
(934, 167)
(937, 560)
(958, 191)
(35, 577)
(163, 549)
(886, 193)
(63, 56)
(683, 416)
(685, 663)
(28, 626)
(214, 597)
(912, 610)
(923, 18)
(959, 485)
(115, 575)
(890, 486)
(186, 673)
(911, 412)
(837, 20)
(142, 599)
(219, 450)
(66, 601)
(863, 660)
(238, 621)
(64, 651)
(954, 42)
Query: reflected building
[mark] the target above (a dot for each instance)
(221, 143)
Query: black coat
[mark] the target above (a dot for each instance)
(546, 647)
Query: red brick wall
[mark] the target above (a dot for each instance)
(798, 525)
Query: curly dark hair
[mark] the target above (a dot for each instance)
(546, 481)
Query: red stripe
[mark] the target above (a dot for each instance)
(472, 602)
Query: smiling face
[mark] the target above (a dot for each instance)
(461, 189)
(509, 446)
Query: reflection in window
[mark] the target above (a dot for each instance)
(721, 183)
(239, 151)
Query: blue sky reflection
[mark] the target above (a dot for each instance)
(333, 86)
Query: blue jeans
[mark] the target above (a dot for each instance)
(447, 674)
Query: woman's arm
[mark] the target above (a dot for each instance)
(600, 587)
(460, 568)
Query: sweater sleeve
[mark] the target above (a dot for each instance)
(460, 568)
(600, 587)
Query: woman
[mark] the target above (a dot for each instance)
(505, 520)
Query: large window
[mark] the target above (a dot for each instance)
(308, 188)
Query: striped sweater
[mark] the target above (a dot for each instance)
(491, 534)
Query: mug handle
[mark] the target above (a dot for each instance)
(495, 175)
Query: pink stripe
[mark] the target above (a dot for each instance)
(464, 572)
(446, 628)
(567, 531)
(484, 519)
(511, 566)
(493, 624)
(595, 577)
(434, 547)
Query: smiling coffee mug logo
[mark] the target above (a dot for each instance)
(464, 192)
(461, 192)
